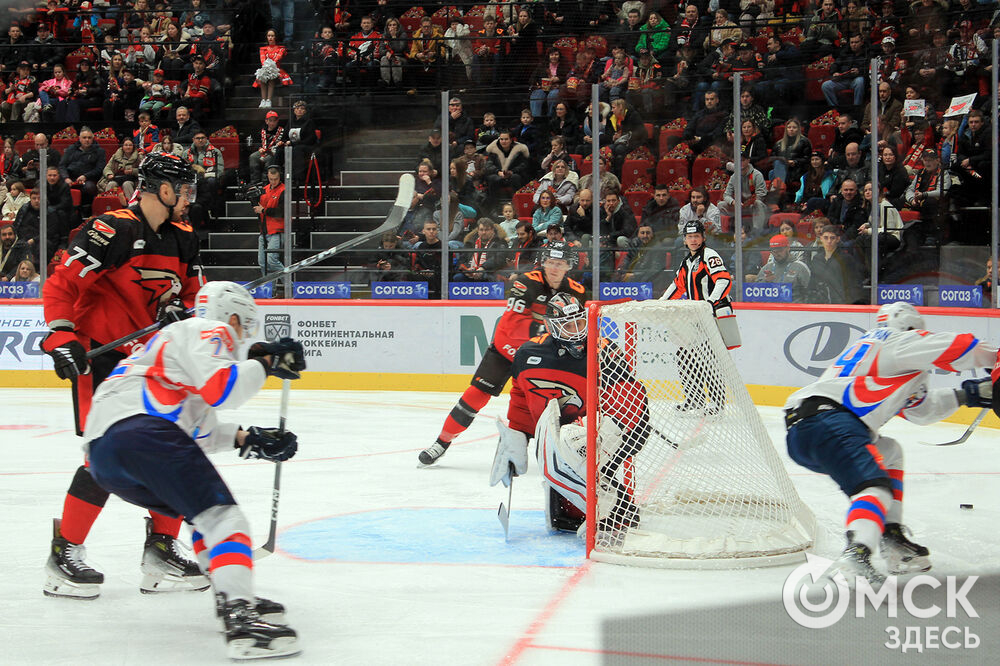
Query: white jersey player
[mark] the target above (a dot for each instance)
(833, 427)
(152, 422)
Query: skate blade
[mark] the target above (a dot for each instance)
(64, 589)
(159, 583)
(245, 649)
(917, 564)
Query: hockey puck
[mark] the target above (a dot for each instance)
(965, 506)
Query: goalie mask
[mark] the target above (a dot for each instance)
(566, 320)
(900, 316)
(219, 300)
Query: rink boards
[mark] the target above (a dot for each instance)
(435, 346)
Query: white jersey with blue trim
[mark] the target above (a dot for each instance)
(885, 373)
(183, 374)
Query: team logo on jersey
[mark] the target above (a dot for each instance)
(550, 390)
(104, 228)
(277, 326)
(162, 285)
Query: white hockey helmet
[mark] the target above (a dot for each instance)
(900, 316)
(220, 300)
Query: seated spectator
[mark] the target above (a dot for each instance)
(426, 195)
(585, 73)
(851, 166)
(458, 46)
(692, 29)
(526, 245)
(88, 90)
(753, 146)
(455, 231)
(21, 91)
(157, 95)
(849, 72)
(174, 47)
(461, 190)
(54, 94)
(702, 209)
(269, 152)
(847, 132)
(847, 209)
(750, 110)
(834, 275)
(397, 45)
(646, 260)
(790, 156)
(662, 212)
(609, 181)
(931, 68)
(486, 51)
(208, 47)
(781, 267)
(753, 191)
(782, 72)
(432, 149)
(604, 110)
(63, 215)
(748, 64)
(559, 152)
(28, 173)
(364, 54)
(167, 146)
(528, 135)
(147, 135)
(617, 220)
(391, 263)
(545, 83)
(44, 50)
(460, 125)
(973, 161)
(196, 88)
(707, 125)
(508, 222)
(475, 173)
(617, 72)
(121, 171)
(486, 261)
(13, 201)
(26, 272)
(722, 30)
(890, 223)
(122, 96)
(10, 164)
(624, 132)
(186, 128)
(815, 185)
(715, 72)
(787, 229)
(647, 93)
(509, 165)
(208, 161)
(427, 258)
(560, 183)
(892, 178)
(546, 213)
(629, 30)
(426, 50)
(580, 221)
(681, 76)
(824, 32)
(12, 250)
(14, 49)
(141, 55)
(488, 132)
(889, 109)
(82, 164)
(655, 38)
(928, 194)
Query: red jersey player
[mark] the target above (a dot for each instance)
(523, 319)
(123, 270)
(548, 401)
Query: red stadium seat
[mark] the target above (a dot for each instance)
(665, 135)
(105, 202)
(776, 219)
(633, 171)
(681, 196)
(638, 200)
(76, 195)
(230, 149)
(715, 196)
(670, 169)
(524, 205)
(909, 215)
(703, 169)
(585, 167)
(821, 137)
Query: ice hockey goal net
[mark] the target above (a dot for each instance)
(681, 471)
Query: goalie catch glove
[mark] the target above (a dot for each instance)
(269, 444)
(976, 393)
(68, 356)
(282, 358)
(172, 311)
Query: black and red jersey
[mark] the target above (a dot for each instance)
(543, 370)
(525, 315)
(118, 271)
(702, 276)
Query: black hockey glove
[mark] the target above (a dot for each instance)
(286, 357)
(976, 393)
(171, 311)
(269, 444)
(68, 355)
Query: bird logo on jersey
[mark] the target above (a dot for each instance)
(562, 393)
(162, 285)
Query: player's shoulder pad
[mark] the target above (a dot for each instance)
(574, 285)
(219, 335)
(113, 228)
(183, 226)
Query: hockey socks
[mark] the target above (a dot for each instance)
(895, 512)
(84, 502)
(866, 517)
(165, 524)
(231, 566)
(463, 414)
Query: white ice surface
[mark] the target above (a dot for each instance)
(358, 454)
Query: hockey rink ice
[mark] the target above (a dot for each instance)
(382, 562)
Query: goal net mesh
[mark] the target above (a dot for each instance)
(684, 471)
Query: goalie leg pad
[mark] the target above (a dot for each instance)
(558, 475)
(512, 449)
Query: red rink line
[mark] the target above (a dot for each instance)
(654, 656)
(525, 641)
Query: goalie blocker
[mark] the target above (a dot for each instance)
(547, 402)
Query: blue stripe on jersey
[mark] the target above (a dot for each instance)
(857, 410)
(231, 547)
(119, 370)
(897, 484)
(153, 411)
(233, 373)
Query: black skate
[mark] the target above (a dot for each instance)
(165, 568)
(269, 611)
(901, 555)
(69, 575)
(248, 636)
(855, 562)
(431, 454)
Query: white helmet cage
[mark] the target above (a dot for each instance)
(220, 300)
(562, 311)
(900, 316)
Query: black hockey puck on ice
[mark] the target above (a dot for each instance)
(964, 506)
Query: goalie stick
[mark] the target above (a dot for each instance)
(966, 434)
(392, 221)
(268, 547)
(503, 511)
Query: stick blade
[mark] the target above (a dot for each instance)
(503, 514)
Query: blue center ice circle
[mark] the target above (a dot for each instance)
(433, 536)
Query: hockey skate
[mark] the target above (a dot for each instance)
(68, 575)
(430, 455)
(248, 636)
(269, 611)
(853, 563)
(165, 568)
(901, 555)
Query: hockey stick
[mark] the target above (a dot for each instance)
(392, 222)
(966, 434)
(268, 547)
(503, 512)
